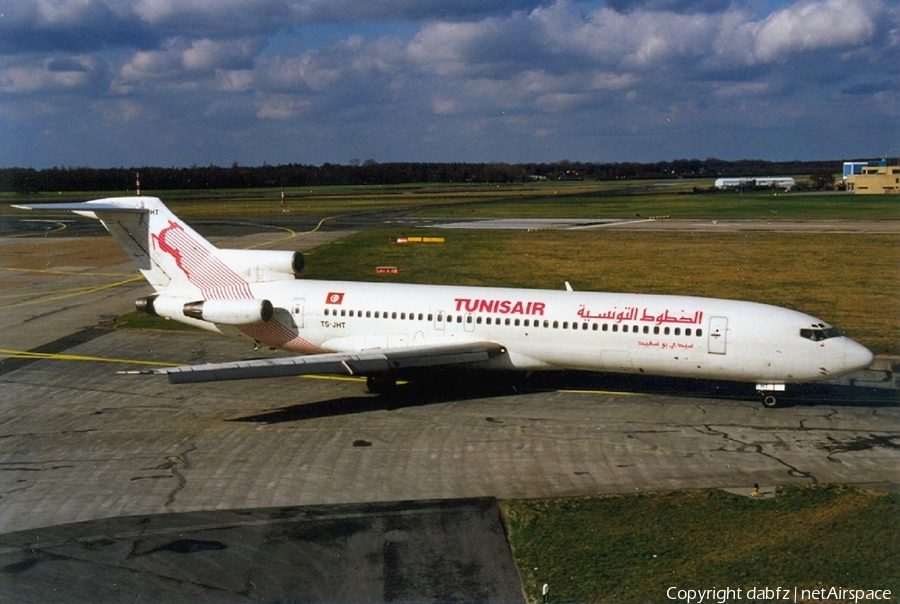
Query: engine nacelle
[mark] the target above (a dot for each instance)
(223, 312)
(261, 266)
(230, 312)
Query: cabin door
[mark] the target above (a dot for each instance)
(718, 335)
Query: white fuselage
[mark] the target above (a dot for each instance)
(544, 329)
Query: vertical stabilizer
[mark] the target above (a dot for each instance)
(170, 254)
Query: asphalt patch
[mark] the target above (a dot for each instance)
(421, 551)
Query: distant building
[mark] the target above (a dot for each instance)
(775, 182)
(872, 177)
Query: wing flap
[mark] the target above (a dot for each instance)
(338, 363)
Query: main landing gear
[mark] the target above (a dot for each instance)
(381, 383)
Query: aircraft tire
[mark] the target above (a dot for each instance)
(770, 401)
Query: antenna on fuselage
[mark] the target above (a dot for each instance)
(569, 287)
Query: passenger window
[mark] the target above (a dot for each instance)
(699, 332)
(478, 320)
(516, 322)
(615, 327)
(556, 325)
(506, 322)
(687, 331)
(565, 325)
(596, 326)
(393, 315)
(459, 319)
(469, 319)
(377, 315)
(666, 331)
(527, 322)
(677, 331)
(646, 329)
(606, 327)
(584, 326)
(656, 330)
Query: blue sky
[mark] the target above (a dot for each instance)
(108, 83)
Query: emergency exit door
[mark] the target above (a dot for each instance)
(718, 335)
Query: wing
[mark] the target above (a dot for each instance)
(340, 363)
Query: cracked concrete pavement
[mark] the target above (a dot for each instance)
(82, 443)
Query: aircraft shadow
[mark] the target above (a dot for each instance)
(416, 393)
(443, 387)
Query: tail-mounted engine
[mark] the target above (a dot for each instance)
(261, 266)
(223, 312)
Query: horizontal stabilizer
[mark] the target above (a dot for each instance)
(85, 206)
(338, 363)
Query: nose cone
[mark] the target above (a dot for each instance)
(857, 356)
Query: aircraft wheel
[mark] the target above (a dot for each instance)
(770, 401)
(381, 383)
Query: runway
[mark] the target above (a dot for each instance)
(82, 443)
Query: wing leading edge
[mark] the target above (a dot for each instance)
(338, 363)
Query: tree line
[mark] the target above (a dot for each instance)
(370, 172)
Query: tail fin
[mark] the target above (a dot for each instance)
(170, 254)
(177, 260)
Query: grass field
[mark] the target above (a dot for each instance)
(632, 548)
(849, 280)
(607, 199)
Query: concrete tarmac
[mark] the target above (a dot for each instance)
(82, 443)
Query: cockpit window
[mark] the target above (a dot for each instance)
(819, 334)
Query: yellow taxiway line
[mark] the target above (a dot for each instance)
(24, 354)
(82, 292)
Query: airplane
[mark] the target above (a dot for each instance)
(386, 330)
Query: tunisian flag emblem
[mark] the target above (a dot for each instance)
(334, 298)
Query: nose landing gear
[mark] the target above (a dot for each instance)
(770, 400)
(770, 394)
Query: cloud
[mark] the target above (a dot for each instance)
(814, 25)
(310, 11)
(676, 6)
(49, 75)
(424, 79)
